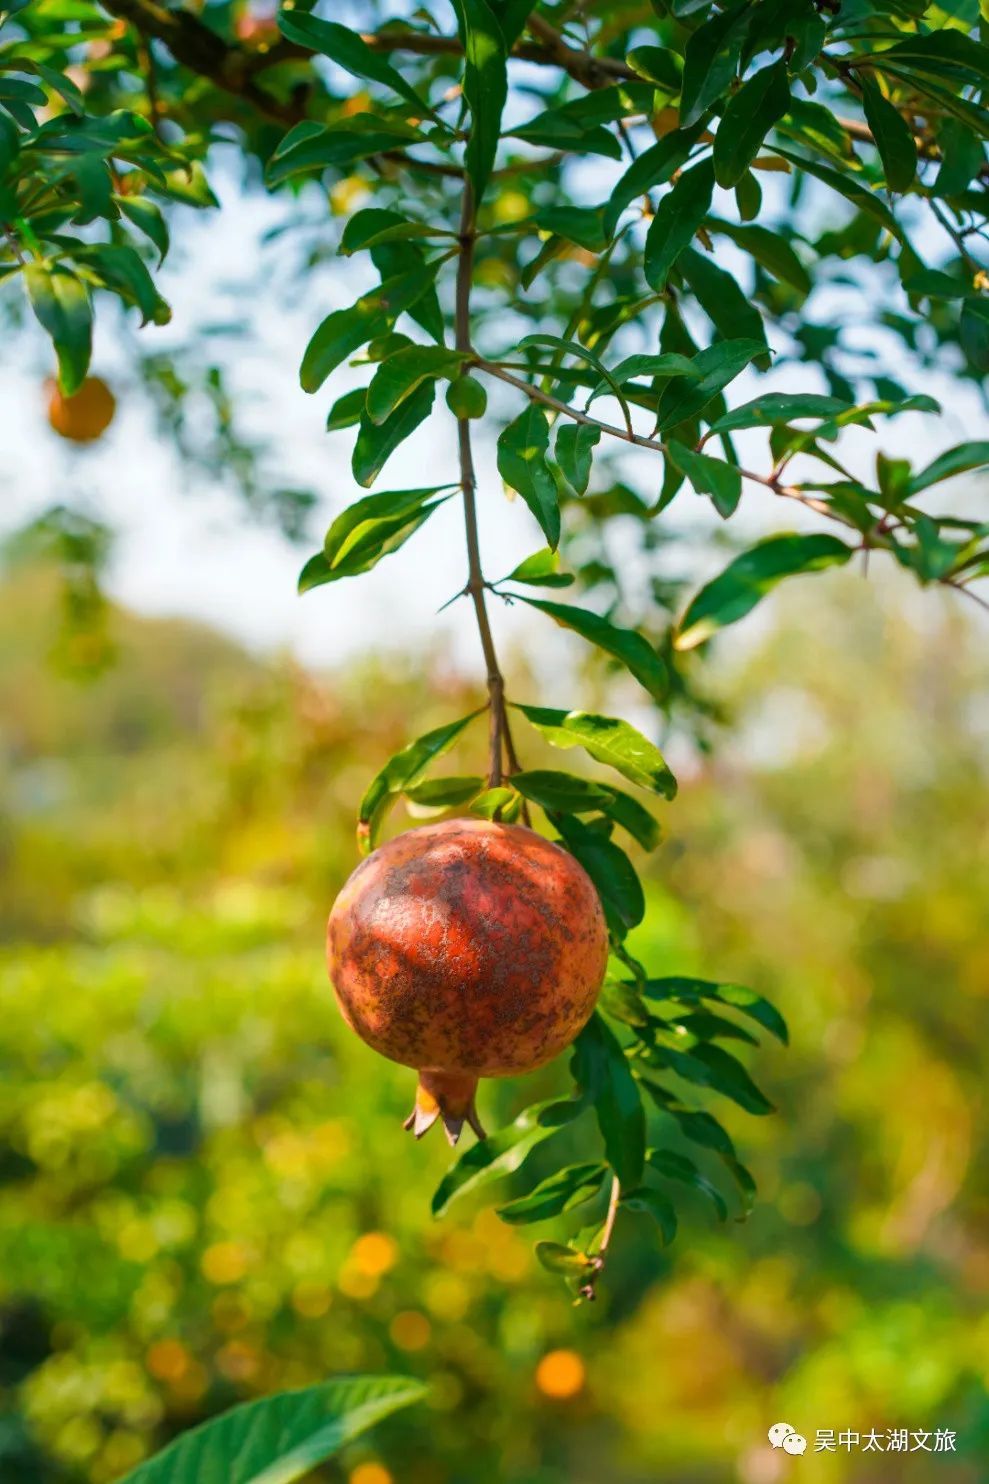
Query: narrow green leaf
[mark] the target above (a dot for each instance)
(556, 1258)
(348, 50)
(711, 1066)
(738, 996)
(609, 740)
(346, 330)
(400, 374)
(655, 166)
(346, 410)
(893, 136)
(958, 460)
(711, 61)
(573, 348)
(542, 569)
(714, 477)
(404, 769)
(846, 185)
(147, 218)
(374, 526)
(732, 312)
(627, 646)
(376, 442)
(769, 249)
(485, 86)
(504, 1151)
(572, 795)
(678, 1167)
(746, 580)
(617, 1101)
(556, 1194)
(575, 445)
(62, 306)
(748, 118)
(779, 407)
(523, 466)
(444, 793)
(610, 869)
(280, 1438)
(715, 368)
(653, 1203)
(678, 216)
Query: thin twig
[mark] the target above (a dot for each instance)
(640, 440)
(588, 1290)
(468, 484)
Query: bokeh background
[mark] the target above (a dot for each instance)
(205, 1193)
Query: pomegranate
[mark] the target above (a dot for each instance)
(86, 415)
(466, 949)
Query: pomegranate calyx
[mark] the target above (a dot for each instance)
(446, 1096)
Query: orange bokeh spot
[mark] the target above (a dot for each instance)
(370, 1473)
(561, 1374)
(374, 1253)
(410, 1330)
(168, 1360)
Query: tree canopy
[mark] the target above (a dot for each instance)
(593, 219)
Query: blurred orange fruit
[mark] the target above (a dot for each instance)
(86, 415)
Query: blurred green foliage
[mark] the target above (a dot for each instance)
(205, 1193)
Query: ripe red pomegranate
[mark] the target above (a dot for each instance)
(466, 949)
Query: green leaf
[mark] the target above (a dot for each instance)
(347, 50)
(779, 407)
(523, 466)
(376, 442)
(846, 185)
(958, 460)
(617, 1100)
(122, 270)
(374, 226)
(710, 61)
(945, 53)
(748, 118)
(711, 1066)
(147, 218)
(279, 1438)
(714, 477)
(556, 128)
(575, 445)
(368, 530)
(444, 793)
(346, 330)
(893, 136)
(581, 224)
(715, 368)
(653, 1203)
(503, 803)
(572, 795)
(503, 1152)
(61, 304)
(485, 86)
(678, 216)
(556, 1194)
(678, 1167)
(399, 376)
(732, 313)
(746, 580)
(655, 166)
(607, 739)
(769, 249)
(627, 646)
(404, 769)
(556, 1258)
(658, 64)
(346, 410)
(542, 569)
(738, 996)
(311, 147)
(611, 871)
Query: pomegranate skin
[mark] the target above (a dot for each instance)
(467, 949)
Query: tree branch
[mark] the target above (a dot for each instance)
(468, 483)
(588, 1290)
